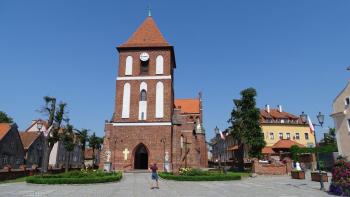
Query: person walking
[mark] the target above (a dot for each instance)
(154, 175)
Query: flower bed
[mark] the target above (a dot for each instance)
(189, 174)
(76, 177)
(340, 179)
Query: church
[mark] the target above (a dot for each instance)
(148, 124)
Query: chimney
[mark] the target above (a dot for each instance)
(267, 108)
(279, 108)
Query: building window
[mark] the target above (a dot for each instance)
(349, 125)
(280, 136)
(347, 101)
(18, 161)
(143, 101)
(288, 136)
(4, 160)
(306, 136)
(297, 136)
(159, 100)
(126, 101)
(144, 67)
(143, 95)
(271, 136)
(159, 65)
(128, 66)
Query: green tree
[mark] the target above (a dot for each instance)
(95, 143)
(245, 126)
(56, 116)
(329, 138)
(67, 137)
(4, 118)
(83, 136)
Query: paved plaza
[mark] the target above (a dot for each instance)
(138, 184)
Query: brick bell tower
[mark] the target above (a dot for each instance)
(140, 131)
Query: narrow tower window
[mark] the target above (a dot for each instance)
(160, 100)
(128, 66)
(144, 67)
(126, 101)
(143, 95)
(143, 101)
(159, 65)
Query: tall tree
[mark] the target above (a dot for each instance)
(56, 116)
(4, 118)
(83, 136)
(67, 137)
(95, 143)
(245, 126)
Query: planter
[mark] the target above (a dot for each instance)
(298, 174)
(316, 176)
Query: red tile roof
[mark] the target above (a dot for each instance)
(4, 129)
(276, 114)
(147, 34)
(267, 150)
(28, 138)
(188, 106)
(286, 144)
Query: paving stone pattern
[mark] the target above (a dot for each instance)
(138, 184)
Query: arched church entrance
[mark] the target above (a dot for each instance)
(141, 157)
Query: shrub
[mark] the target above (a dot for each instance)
(191, 172)
(205, 177)
(76, 177)
(340, 178)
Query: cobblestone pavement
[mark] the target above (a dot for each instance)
(138, 184)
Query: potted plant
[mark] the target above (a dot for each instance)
(298, 174)
(316, 176)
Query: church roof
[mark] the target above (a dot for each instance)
(147, 35)
(4, 129)
(28, 138)
(188, 106)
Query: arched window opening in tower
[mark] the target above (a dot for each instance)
(144, 67)
(143, 95)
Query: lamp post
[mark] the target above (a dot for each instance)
(320, 118)
(39, 125)
(163, 141)
(216, 130)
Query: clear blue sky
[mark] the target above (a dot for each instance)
(293, 52)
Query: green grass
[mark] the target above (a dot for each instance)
(17, 180)
(75, 177)
(212, 176)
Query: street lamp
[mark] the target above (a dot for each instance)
(39, 125)
(216, 130)
(320, 118)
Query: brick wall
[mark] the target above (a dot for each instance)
(269, 169)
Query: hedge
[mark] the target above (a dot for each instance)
(211, 177)
(66, 179)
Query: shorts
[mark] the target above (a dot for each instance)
(154, 176)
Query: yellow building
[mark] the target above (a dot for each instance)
(283, 130)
